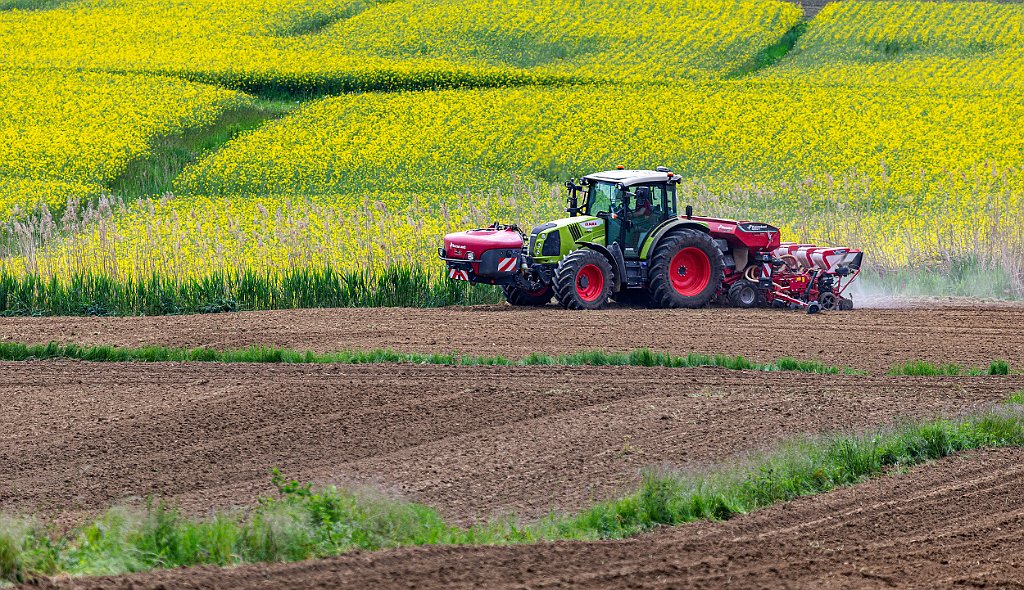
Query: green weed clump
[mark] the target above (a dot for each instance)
(1016, 398)
(301, 522)
(927, 369)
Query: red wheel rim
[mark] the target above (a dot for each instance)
(589, 282)
(538, 292)
(690, 271)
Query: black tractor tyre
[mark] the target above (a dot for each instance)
(583, 280)
(745, 294)
(633, 297)
(686, 270)
(521, 297)
(845, 304)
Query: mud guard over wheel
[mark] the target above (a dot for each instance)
(583, 280)
(522, 297)
(686, 270)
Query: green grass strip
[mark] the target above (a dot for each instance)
(642, 357)
(927, 369)
(302, 523)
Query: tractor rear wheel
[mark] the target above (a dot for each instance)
(583, 280)
(520, 296)
(686, 270)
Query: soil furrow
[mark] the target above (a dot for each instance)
(510, 439)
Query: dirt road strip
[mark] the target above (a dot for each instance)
(867, 339)
(473, 441)
(954, 523)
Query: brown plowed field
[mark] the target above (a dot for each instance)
(955, 523)
(866, 338)
(472, 441)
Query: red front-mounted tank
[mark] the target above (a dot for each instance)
(478, 241)
(491, 251)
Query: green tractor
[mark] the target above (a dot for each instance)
(623, 240)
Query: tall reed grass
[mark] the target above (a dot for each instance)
(235, 290)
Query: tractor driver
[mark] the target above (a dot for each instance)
(643, 203)
(642, 216)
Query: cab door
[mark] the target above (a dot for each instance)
(646, 209)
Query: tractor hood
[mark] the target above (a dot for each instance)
(567, 221)
(558, 237)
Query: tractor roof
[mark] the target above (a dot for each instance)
(629, 177)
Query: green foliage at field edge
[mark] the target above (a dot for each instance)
(303, 523)
(238, 290)
(642, 357)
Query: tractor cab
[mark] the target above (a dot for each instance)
(632, 203)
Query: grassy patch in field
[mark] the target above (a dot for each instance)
(168, 155)
(641, 357)
(927, 369)
(305, 523)
(771, 54)
(31, 4)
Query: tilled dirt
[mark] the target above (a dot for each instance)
(473, 441)
(954, 523)
(872, 339)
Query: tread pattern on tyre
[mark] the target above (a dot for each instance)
(660, 286)
(517, 296)
(565, 279)
(734, 294)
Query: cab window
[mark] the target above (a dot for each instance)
(600, 197)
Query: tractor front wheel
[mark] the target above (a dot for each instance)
(583, 280)
(686, 270)
(520, 296)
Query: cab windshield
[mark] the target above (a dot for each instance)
(601, 197)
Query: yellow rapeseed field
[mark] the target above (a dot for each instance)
(342, 44)
(971, 45)
(64, 134)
